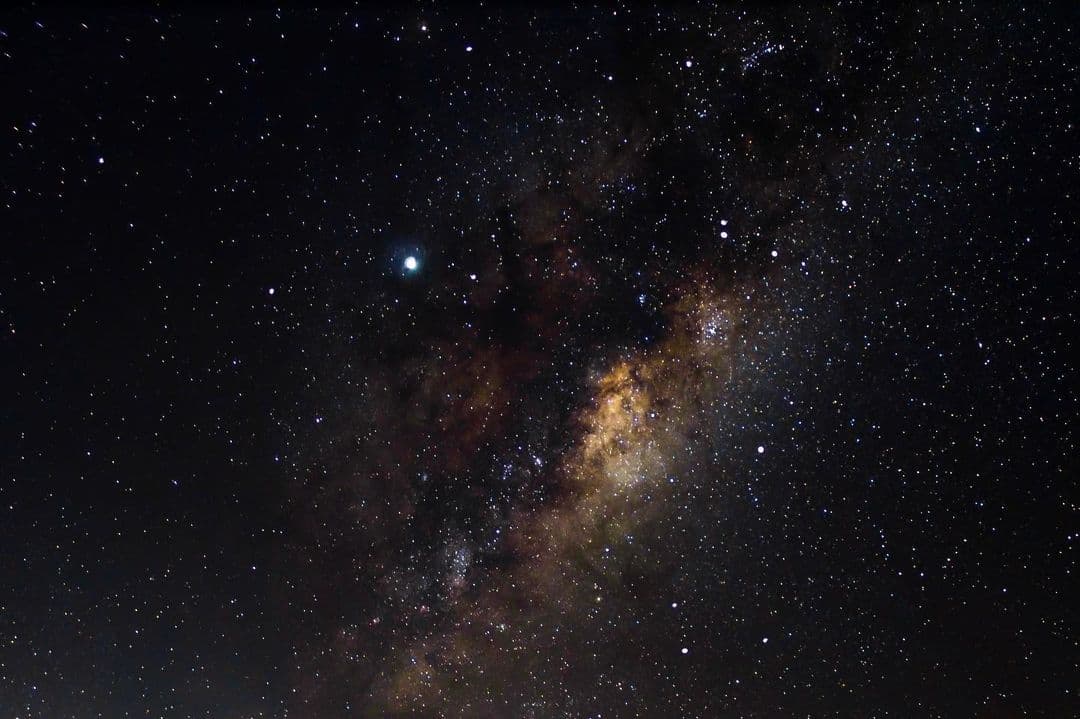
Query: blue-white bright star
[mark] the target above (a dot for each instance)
(411, 263)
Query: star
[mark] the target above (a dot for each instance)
(411, 263)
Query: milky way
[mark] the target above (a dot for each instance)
(533, 363)
(636, 441)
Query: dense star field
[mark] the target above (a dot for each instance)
(521, 362)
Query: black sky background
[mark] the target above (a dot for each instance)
(177, 444)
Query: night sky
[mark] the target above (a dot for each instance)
(527, 363)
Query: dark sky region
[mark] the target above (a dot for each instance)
(510, 361)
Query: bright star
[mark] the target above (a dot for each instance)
(411, 263)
